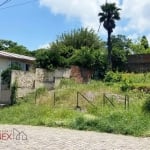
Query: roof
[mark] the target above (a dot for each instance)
(16, 56)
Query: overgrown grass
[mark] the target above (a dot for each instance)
(100, 118)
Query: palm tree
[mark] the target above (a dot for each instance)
(109, 14)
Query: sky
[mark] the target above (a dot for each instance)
(36, 23)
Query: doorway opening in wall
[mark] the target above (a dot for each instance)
(27, 67)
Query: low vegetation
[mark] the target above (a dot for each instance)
(41, 109)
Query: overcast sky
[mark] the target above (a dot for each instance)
(35, 23)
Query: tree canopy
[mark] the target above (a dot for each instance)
(144, 42)
(74, 48)
(14, 47)
(120, 50)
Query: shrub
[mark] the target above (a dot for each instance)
(6, 74)
(126, 85)
(50, 59)
(113, 77)
(146, 105)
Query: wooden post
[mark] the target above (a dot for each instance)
(54, 98)
(35, 96)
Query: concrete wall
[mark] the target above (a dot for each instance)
(5, 97)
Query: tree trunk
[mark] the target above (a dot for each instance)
(109, 61)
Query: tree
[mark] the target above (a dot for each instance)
(109, 14)
(80, 47)
(120, 51)
(140, 46)
(144, 42)
(14, 47)
(49, 59)
(78, 38)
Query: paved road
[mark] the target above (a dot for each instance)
(19, 137)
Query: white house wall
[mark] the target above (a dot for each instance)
(4, 64)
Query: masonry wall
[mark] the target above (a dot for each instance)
(25, 82)
(28, 82)
(80, 75)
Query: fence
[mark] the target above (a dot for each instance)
(78, 102)
(84, 98)
(112, 98)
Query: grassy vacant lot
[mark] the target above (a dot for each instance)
(100, 118)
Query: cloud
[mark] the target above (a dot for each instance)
(134, 14)
(137, 13)
(46, 45)
(86, 11)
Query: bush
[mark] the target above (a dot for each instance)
(83, 58)
(50, 59)
(146, 105)
(126, 85)
(113, 77)
(6, 74)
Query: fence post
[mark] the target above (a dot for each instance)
(77, 100)
(77, 104)
(104, 99)
(35, 96)
(126, 102)
(54, 98)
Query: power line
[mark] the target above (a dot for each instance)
(18, 4)
(4, 2)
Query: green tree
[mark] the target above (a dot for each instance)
(84, 58)
(74, 48)
(14, 47)
(120, 51)
(144, 42)
(78, 38)
(138, 48)
(109, 14)
(80, 47)
(6, 44)
(49, 59)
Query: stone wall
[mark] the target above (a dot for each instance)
(25, 82)
(28, 82)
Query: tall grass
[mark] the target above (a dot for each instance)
(100, 118)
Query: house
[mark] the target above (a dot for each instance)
(139, 63)
(8, 59)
